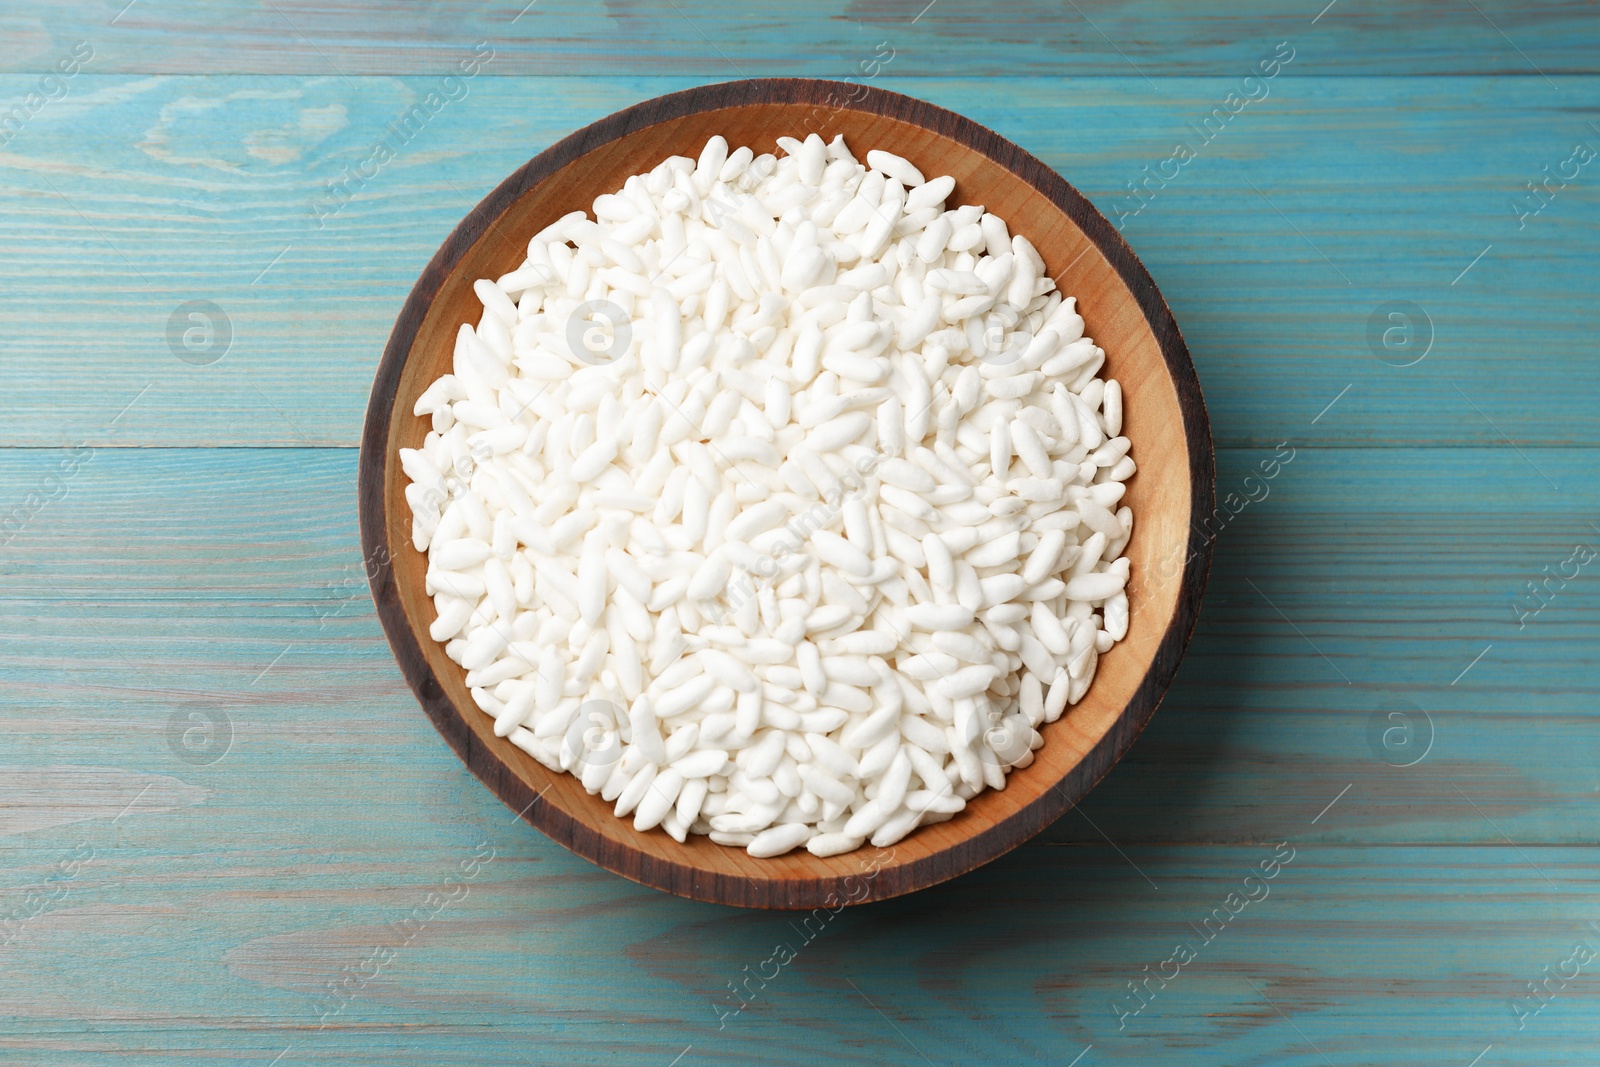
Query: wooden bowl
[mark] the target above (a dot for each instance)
(1125, 314)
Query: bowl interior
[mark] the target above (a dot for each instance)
(1160, 495)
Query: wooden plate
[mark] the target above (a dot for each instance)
(1125, 314)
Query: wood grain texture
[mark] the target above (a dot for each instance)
(335, 812)
(1386, 176)
(831, 39)
(254, 555)
(1374, 956)
(208, 922)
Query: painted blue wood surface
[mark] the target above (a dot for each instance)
(827, 39)
(227, 834)
(198, 192)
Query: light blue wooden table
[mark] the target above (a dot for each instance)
(230, 836)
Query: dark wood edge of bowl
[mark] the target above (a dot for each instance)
(688, 881)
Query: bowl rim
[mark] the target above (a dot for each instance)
(684, 879)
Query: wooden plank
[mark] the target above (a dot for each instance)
(209, 198)
(1366, 583)
(724, 38)
(201, 935)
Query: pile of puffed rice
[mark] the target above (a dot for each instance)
(777, 502)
